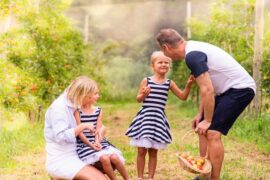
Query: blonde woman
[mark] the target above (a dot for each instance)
(61, 130)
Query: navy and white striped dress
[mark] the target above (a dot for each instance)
(87, 153)
(150, 127)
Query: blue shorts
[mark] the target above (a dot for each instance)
(228, 106)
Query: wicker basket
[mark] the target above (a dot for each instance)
(206, 167)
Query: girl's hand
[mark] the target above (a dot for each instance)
(95, 146)
(191, 80)
(145, 91)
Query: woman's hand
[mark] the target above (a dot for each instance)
(90, 127)
(84, 126)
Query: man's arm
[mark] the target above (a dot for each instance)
(198, 116)
(208, 101)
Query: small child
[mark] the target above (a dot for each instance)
(95, 149)
(150, 130)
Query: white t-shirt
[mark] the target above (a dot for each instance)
(225, 72)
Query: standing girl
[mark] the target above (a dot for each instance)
(94, 148)
(150, 130)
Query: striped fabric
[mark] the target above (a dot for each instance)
(83, 150)
(151, 121)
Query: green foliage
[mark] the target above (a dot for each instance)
(40, 55)
(16, 88)
(231, 27)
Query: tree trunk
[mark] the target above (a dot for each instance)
(258, 50)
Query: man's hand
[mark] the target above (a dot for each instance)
(196, 121)
(202, 127)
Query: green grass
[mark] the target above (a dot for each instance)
(254, 130)
(247, 145)
(28, 139)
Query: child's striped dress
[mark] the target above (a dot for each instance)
(150, 127)
(85, 152)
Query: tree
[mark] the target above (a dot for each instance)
(231, 26)
(44, 53)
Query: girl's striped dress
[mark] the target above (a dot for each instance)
(150, 127)
(85, 152)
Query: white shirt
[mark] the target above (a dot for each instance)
(225, 72)
(59, 127)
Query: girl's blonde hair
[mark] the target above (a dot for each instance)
(155, 55)
(79, 88)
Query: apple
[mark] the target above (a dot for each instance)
(190, 157)
(199, 163)
(199, 167)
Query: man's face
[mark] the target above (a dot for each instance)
(173, 52)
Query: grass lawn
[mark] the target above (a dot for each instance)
(22, 154)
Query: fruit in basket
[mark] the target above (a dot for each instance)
(200, 161)
(190, 157)
(199, 167)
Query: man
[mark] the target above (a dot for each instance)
(226, 89)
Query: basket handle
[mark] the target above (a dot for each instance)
(189, 133)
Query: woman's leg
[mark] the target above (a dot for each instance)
(152, 162)
(119, 166)
(141, 161)
(107, 166)
(90, 173)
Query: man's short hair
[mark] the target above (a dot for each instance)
(169, 36)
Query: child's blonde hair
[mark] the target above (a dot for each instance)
(79, 88)
(155, 55)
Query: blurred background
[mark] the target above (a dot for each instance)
(44, 44)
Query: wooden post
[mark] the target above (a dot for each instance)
(258, 50)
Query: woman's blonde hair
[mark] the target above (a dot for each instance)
(79, 88)
(155, 55)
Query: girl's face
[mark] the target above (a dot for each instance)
(91, 99)
(161, 65)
